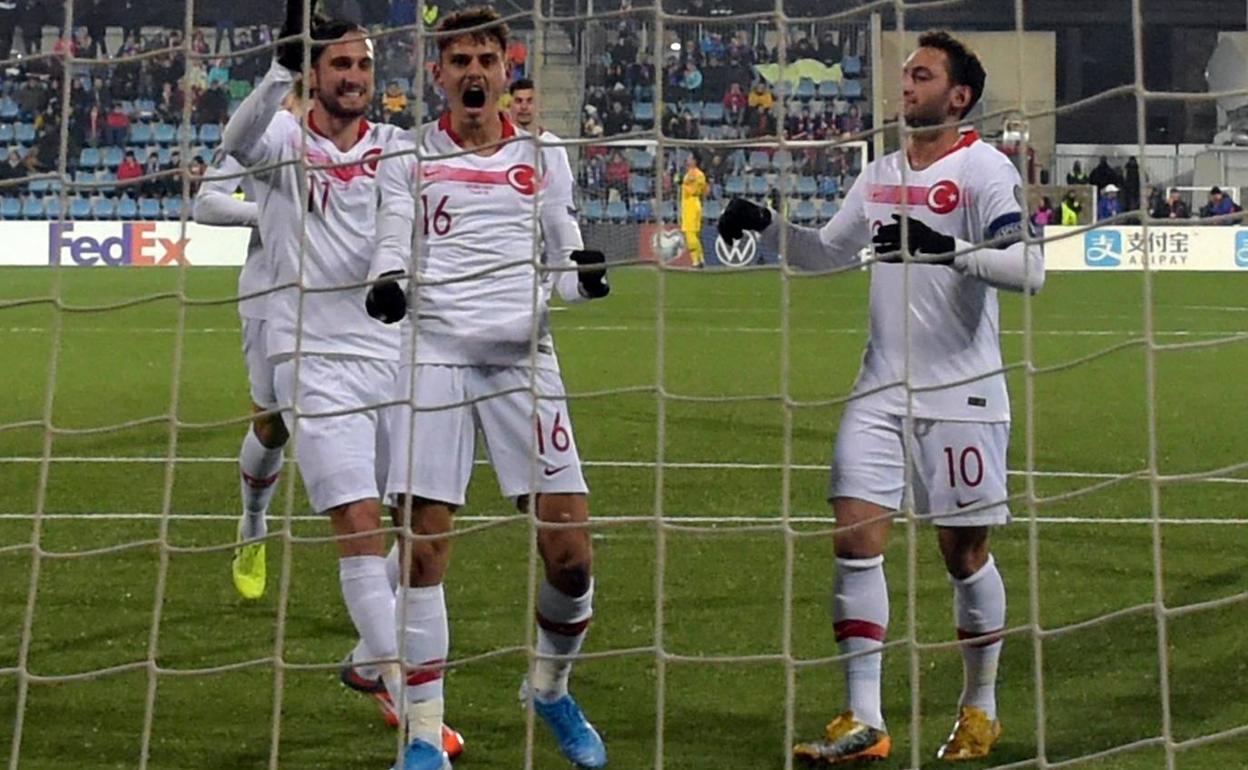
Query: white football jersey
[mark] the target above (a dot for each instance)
(479, 294)
(946, 320)
(329, 248)
(216, 204)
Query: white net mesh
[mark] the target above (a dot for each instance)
(705, 440)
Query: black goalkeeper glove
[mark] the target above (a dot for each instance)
(386, 300)
(593, 281)
(741, 215)
(290, 54)
(922, 240)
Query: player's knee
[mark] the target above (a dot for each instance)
(569, 559)
(350, 521)
(572, 580)
(858, 543)
(964, 553)
(270, 430)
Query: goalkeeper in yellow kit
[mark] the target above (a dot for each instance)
(692, 190)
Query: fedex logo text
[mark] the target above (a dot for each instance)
(137, 245)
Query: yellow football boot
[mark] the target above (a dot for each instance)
(972, 738)
(847, 740)
(248, 568)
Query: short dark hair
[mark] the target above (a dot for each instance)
(324, 32)
(480, 23)
(523, 84)
(965, 68)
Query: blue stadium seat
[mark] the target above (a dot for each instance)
(593, 211)
(852, 89)
(164, 134)
(103, 208)
(89, 158)
(80, 208)
(113, 157)
(829, 187)
(173, 207)
(643, 113)
(639, 185)
(165, 153)
(11, 208)
(640, 160)
(127, 209)
(617, 211)
(711, 211)
(734, 186)
(33, 208)
(149, 209)
(851, 66)
(757, 186)
(140, 133)
(7, 134)
(52, 206)
(8, 109)
(713, 113)
(145, 107)
(806, 212)
(805, 89)
(105, 177)
(806, 186)
(25, 133)
(829, 209)
(642, 212)
(829, 90)
(210, 134)
(782, 160)
(669, 211)
(759, 159)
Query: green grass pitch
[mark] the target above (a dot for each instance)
(723, 586)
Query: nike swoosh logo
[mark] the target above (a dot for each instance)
(967, 504)
(553, 471)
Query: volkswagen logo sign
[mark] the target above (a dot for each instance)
(740, 253)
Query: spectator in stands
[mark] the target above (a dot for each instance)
(199, 44)
(94, 16)
(30, 16)
(152, 187)
(595, 177)
(1044, 213)
(761, 98)
(31, 98)
(213, 105)
(1077, 175)
(196, 172)
(1109, 205)
(116, 128)
(829, 52)
(12, 168)
(618, 121)
(8, 26)
(1174, 207)
(617, 174)
(394, 104)
(851, 121)
(1104, 175)
(128, 173)
(172, 184)
(802, 49)
(218, 72)
(1131, 185)
(169, 107)
(691, 81)
(712, 47)
(1072, 207)
(739, 50)
(591, 128)
(517, 57)
(1220, 204)
(735, 103)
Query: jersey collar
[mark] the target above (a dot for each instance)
(364, 126)
(444, 123)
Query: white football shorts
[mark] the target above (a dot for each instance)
(259, 367)
(432, 455)
(341, 457)
(959, 468)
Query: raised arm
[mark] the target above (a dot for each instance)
(245, 136)
(215, 203)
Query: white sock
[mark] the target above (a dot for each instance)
(562, 622)
(361, 651)
(258, 469)
(979, 611)
(426, 640)
(860, 615)
(370, 602)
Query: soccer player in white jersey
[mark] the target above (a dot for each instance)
(225, 198)
(476, 312)
(329, 355)
(949, 418)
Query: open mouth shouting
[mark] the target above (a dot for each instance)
(474, 97)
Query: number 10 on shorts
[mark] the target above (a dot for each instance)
(966, 464)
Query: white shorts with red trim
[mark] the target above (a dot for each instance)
(958, 468)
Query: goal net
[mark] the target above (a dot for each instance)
(706, 400)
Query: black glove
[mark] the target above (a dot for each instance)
(922, 240)
(741, 215)
(594, 280)
(290, 54)
(386, 300)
